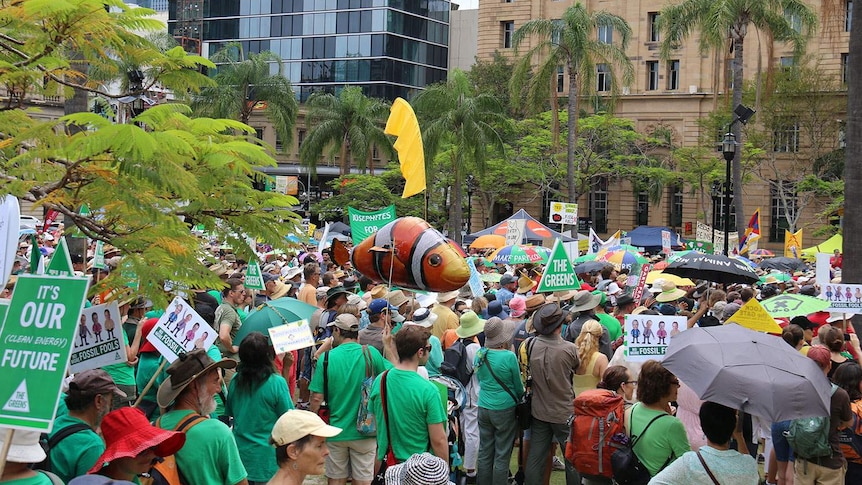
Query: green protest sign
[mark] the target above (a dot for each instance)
(99, 256)
(559, 275)
(61, 263)
(37, 336)
(253, 277)
(364, 224)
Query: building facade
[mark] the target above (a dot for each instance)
(676, 94)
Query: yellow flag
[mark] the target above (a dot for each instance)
(403, 124)
(793, 244)
(752, 315)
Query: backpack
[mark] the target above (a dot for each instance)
(166, 471)
(455, 361)
(597, 427)
(809, 437)
(850, 438)
(627, 467)
(49, 444)
(366, 424)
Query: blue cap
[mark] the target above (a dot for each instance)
(378, 305)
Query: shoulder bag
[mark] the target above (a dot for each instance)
(521, 407)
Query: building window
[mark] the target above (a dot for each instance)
(844, 60)
(793, 20)
(782, 204)
(673, 75)
(675, 217)
(718, 208)
(603, 77)
(300, 137)
(842, 136)
(785, 136)
(652, 75)
(279, 143)
(375, 153)
(508, 29)
(786, 63)
(555, 34)
(560, 79)
(599, 204)
(258, 133)
(606, 34)
(653, 26)
(848, 16)
(642, 214)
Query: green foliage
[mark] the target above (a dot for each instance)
(368, 193)
(493, 77)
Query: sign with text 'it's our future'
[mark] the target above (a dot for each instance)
(36, 340)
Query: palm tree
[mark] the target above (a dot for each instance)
(246, 83)
(570, 42)
(786, 20)
(454, 115)
(350, 124)
(852, 269)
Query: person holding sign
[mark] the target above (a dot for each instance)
(227, 321)
(192, 384)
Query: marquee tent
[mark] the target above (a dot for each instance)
(535, 231)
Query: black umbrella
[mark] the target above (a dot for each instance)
(784, 264)
(340, 228)
(712, 267)
(590, 266)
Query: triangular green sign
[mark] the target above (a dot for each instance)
(84, 211)
(99, 256)
(253, 278)
(60, 264)
(559, 275)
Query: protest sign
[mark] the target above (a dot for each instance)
(563, 213)
(10, 226)
(179, 330)
(61, 263)
(476, 286)
(752, 315)
(842, 298)
(559, 275)
(647, 336)
(515, 231)
(99, 340)
(37, 338)
(291, 336)
(665, 242)
(99, 256)
(253, 277)
(364, 224)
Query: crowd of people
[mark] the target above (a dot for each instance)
(238, 413)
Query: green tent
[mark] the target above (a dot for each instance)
(827, 246)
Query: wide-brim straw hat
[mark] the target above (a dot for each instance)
(471, 325)
(184, 371)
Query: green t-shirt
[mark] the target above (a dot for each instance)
(345, 375)
(148, 364)
(505, 365)
(665, 438)
(615, 331)
(38, 479)
(413, 404)
(255, 413)
(213, 457)
(435, 358)
(77, 453)
(122, 373)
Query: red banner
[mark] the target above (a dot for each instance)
(639, 289)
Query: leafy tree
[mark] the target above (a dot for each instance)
(243, 84)
(785, 20)
(350, 124)
(569, 42)
(453, 113)
(493, 76)
(144, 182)
(368, 193)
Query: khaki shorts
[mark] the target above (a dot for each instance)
(358, 454)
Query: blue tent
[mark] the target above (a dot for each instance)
(649, 238)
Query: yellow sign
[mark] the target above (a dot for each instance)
(752, 315)
(792, 244)
(311, 229)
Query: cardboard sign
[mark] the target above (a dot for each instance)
(559, 275)
(564, 213)
(476, 286)
(752, 315)
(364, 224)
(98, 339)
(647, 336)
(665, 242)
(515, 231)
(179, 330)
(37, 338)
(291, 336)
(253, 277)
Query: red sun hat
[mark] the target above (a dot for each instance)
(127, 434)
(147, 327)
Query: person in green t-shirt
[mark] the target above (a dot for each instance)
(339, 376)
(89, 399)
(193, 381)
(123, 374)
(24, 452)
(416, 414)
(256, 398)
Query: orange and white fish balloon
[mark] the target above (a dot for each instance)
(415, 254)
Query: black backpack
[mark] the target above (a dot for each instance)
(49, 444)
(455, 362)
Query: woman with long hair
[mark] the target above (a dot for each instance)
(618, 379)
(592, 362)
(849, 378)
(257, 397)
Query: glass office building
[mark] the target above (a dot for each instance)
(390, 48)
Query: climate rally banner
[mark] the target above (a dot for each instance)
(364, 224)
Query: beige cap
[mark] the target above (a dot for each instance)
(296, 424)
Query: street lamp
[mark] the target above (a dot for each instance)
(471, 185)
(728, 149)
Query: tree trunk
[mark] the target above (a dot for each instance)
(737, 131)
(455, 213)
(370, 162)
(572, 135)
(555, 116)
(343, 164)
(852, 269)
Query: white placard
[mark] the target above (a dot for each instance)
(564, 213)
(515, 231)
(647, 336)
(291, 336)
(842, 298)
(179, 330)
(98, 339)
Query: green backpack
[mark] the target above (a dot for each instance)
(809, 437)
